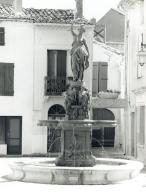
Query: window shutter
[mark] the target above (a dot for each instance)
(9, 79)
(2, 79)
(2, 36)
(52, 59)
(61, 63)
(95, 79)
(102, 73)
(2, 130)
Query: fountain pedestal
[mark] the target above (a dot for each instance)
(76, 145)
(75, 133)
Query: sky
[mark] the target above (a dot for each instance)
(92, 8)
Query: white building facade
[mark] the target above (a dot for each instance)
(135, 54)
(35, 67)
(35, 64)
(109, 74)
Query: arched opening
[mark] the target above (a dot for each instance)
(54, 135)
(56, 112)
(103, 137)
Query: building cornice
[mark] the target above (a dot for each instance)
(140, 90)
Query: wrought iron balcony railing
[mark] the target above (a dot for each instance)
(55, 85)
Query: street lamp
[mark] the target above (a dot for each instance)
(142, 53)
(143, 45)
(141, 58)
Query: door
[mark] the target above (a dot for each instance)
(14, 135)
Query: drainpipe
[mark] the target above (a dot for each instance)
(126, 91)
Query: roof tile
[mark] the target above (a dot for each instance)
(37, 15)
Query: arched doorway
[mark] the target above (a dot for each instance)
(103, 137)
(56, 112)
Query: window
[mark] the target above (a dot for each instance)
(2, 36)
(57, 63)
(56, 112)
(100, 77)
(56, 72)
(6, 79)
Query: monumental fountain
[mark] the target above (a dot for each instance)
(76, 164)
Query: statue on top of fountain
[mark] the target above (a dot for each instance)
(79, 54)
(77, 95)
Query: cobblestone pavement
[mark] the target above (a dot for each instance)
(135, 185)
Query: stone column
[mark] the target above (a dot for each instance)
(18, 6)
(79, 9)
(7, 2)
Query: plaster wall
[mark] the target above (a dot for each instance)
(135, 84)
(51, 37)
(18, 49)
(115, 81)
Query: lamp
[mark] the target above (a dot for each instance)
(143, 45)
(142, 53)
(141, 58)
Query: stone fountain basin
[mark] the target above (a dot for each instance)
(106, 171)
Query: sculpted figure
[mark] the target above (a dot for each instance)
(70, 99)
(84, 98)
(79, 54)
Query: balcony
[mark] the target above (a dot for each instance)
(55, 85)
(108, 103)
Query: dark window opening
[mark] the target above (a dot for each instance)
(56, 72)
(2, 36)
(6, 79)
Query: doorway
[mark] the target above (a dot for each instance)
(11, 129)
(103, 137)
(56, 112)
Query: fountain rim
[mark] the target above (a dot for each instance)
(101, 123)
(41, 172)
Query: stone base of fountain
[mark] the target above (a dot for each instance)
(76, 165)
(76, 145)
(106, 171)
